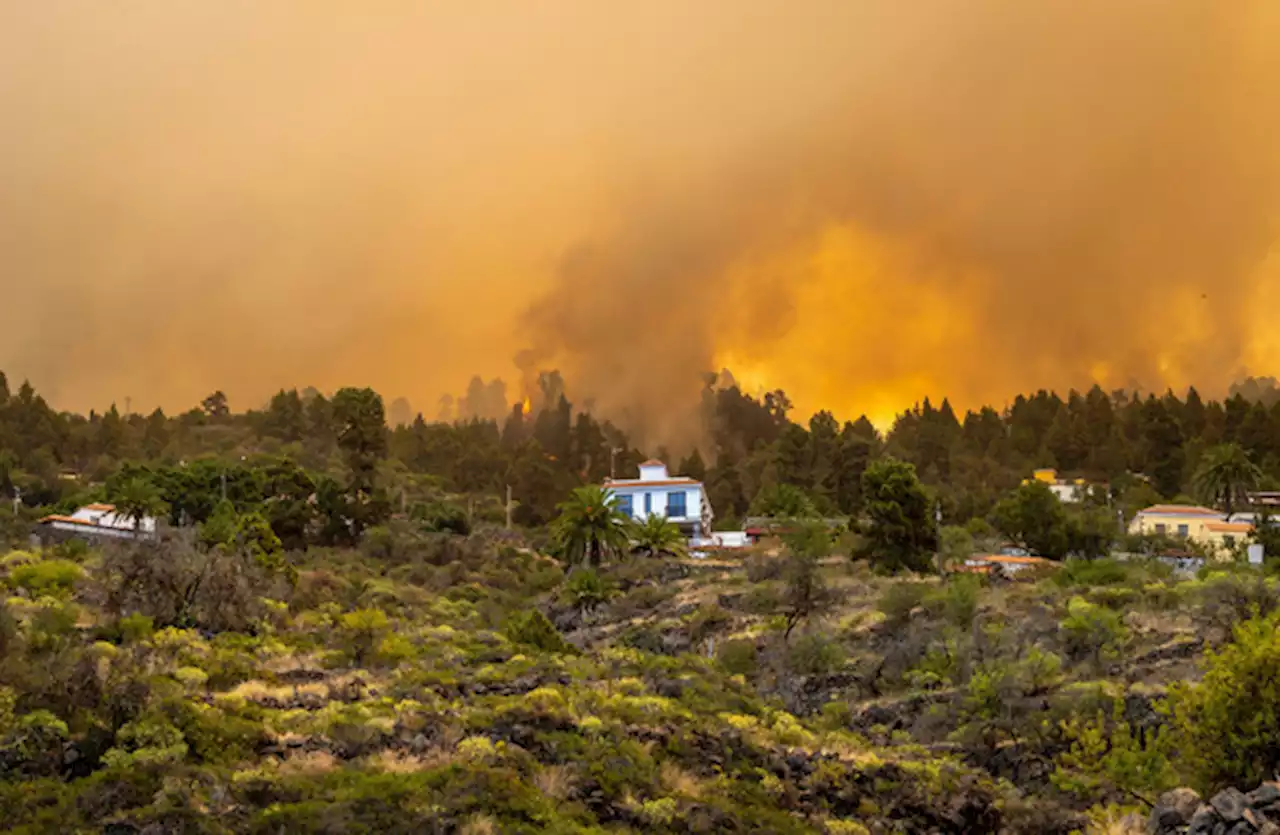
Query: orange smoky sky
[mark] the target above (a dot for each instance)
(861, 202)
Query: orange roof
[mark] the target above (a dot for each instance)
(69, 519)
(654, 462)
(1007, 560)
(103, 507)
(1181, 510)
(1228, 527)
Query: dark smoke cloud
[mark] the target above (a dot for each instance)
(862, 202)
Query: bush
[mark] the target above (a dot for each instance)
(46, 577)
(1232, 597)
(959, 598)
(899, 599)
(586, 589)
(1099, 572)
(708, 620)
(1227, 727)
(815, 654)
(1091, 630)
(363, 630)
(761, 567)
(532, 629)
(738, 657)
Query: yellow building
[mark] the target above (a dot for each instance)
(1203, 525)
(1067, 491)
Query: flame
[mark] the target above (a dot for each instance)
(526, 405)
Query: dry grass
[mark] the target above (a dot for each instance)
(479, 825)
(678, 781)
(310, 762)
(556, 781)
(394, 762)
(1115, 823)
(259, 692)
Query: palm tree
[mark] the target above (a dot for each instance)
(591, 526)
(137, 499)
(656, 536)
(1225, 476)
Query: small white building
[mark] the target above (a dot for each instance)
(98, 521)
(658, 493)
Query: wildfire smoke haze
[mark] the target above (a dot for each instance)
(861, 202)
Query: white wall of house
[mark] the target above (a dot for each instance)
(659, 499)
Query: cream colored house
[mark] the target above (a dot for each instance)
(1203, 525)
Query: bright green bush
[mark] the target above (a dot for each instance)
(46, 577)
(1227, 726)
(1092, 631)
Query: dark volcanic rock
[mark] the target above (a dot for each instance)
(1229, 804)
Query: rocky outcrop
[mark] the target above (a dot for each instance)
(1229, 812)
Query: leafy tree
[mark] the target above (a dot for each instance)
(782, 501)
(656, 536)
(900, 532)
(1035, 519)
(1226, 476)
(361, 425)
(591, 527)
(955, 544)
(216, 406)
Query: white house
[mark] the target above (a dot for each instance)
(100, 521)
(658, 493)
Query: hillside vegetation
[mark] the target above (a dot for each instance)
(447, 683)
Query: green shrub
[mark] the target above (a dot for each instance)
(899, 600)
(136, 627)
(1112, 757)
(815, 654)
(959, 598)
(363, 630)
(738, 657)
(1090, 630)
(707, 620)
(532, 629)
(586, 589)
(1099, 572)
(1227, 727)
(46, 577)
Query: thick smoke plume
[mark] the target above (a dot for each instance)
(860, 202)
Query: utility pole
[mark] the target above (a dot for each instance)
(508, 507)
(17, 499)
(613, 460)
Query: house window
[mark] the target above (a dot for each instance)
(1229, 541)
(1161, 530)
(648, 504)
(624, 504)
(676, 505)
(1183, 530)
